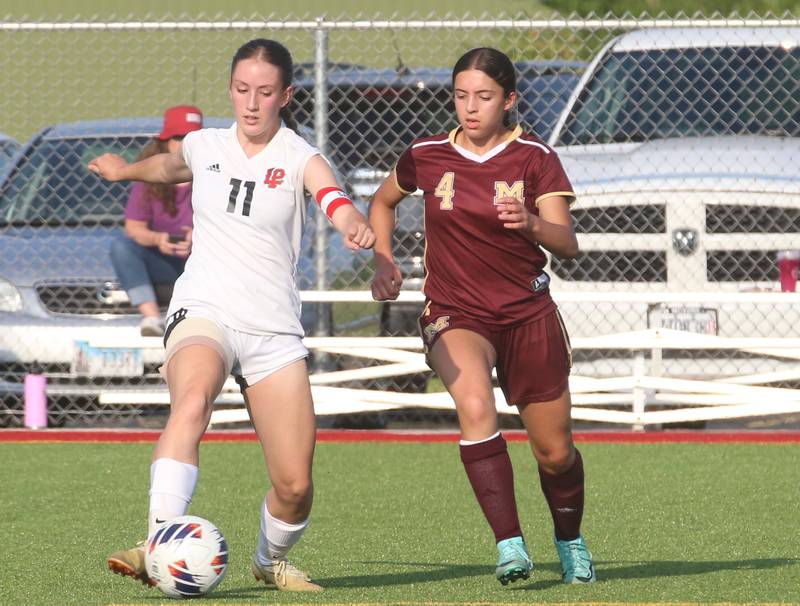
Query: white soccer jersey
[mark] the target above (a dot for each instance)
(248, 222)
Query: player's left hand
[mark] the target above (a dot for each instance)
(514, 215)
(359, 234)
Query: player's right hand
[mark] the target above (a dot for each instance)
(108, 166)
(387, 281)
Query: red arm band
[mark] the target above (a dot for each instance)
(331, 198)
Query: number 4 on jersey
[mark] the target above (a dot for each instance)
(446, 190)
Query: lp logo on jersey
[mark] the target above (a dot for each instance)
(274, 177)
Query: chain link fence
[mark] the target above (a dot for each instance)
(681, 142)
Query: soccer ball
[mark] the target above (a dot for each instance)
(186, 557)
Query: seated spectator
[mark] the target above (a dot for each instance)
(158, 226)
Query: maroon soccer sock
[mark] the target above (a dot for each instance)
(489, 471)
(564, 494)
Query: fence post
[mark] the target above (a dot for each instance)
(638, 392)
(323, 322)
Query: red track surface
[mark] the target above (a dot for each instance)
(335, 435)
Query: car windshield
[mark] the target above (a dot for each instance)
(541, 100)
(52, 186)
(643, 95)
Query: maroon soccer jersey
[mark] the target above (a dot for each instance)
(473, 262)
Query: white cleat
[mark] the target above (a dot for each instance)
(283, 576)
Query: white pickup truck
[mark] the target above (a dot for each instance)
(683, 146)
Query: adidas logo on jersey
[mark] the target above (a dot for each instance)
(214, 168)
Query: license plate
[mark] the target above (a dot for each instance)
(106, 361)
(697, 319)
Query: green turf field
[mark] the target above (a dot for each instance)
(397, 523)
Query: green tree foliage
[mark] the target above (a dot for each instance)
(674, 7)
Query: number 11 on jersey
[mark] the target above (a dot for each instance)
(236, 185)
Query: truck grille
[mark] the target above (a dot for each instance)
(609, 265)
(613, 266)
(625, 219)
(741, 266)
(741, 219)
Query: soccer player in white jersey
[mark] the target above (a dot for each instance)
(236, 308)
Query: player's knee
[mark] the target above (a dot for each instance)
(476, 412)
(296, 491)
(555, 459)
(192, 409)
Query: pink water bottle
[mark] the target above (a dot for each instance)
(35, 394)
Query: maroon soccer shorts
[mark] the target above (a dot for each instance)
(533, 359)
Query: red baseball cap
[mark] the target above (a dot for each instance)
(181, 120)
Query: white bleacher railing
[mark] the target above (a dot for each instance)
(639, 399)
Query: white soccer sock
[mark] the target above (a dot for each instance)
(171, 488)
(473, 442)
(276, 537)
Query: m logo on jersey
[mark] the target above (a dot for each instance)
(504, 190)
(274, 177)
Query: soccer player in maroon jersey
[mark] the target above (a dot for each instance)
(494, 198)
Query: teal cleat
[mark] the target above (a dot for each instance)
(513, 561)
(576, 561)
